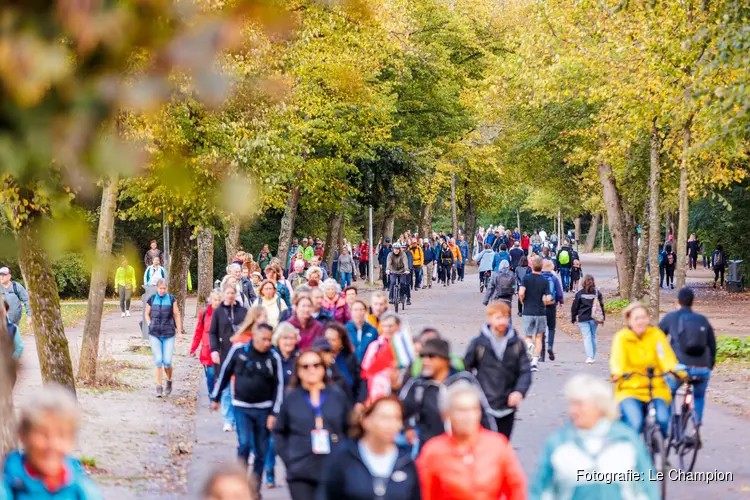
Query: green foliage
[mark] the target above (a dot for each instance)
(732, 347)
(616, 305)
(73, 275)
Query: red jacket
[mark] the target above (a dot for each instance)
(312, 331)
(364, 251)
(525, 242)
(486, 470)
(201, 336)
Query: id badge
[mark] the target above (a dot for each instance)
(321, 442)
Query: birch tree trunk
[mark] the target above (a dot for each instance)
(98, 286)
(617, 229)
(654, 220)
(454, 210)
(8, 429)
(44, 300)
(205, 266)
(518, 219)
(233, 238)
(682, 227)
(182, 251)
(591, 236)
(287, 225)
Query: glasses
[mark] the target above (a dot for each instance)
(313, 366)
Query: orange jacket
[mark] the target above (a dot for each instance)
(457, 257)
(487, 470)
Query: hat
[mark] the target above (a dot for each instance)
(436, 347)
(321, 344)
(387, 240)
(304, 239)
(4, 270)
(256, 273)
(414, 240)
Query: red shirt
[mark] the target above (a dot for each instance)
(53, 484)
(525, 242)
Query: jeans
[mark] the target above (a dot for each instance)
(588, 330)
(335, 269)
(346, 279)
(461, 269)
(699, 388)
(417, 275)
(271, 461)
(551, 325)
(125, 294)
(227, 409)
(633, 413)
(162, 350)
(252, 433)
(661, 276)
(565, 277)
(403, 280)
(210, 378)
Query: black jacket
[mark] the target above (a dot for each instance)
(571, 253)
(258, 378)
(446, 257)
(295, 423)
(516, 254)
(669, 325)
(346, 477)
(583, 306)
(499, 378)
(223, 322)
(248, 291)
(356, 392)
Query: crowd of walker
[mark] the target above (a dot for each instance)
(358, 407)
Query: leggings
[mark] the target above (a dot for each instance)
(719, 272)
(125, 293)
(363, 269)
(670, 275)
(693, 261)
(302, 490)
(444, 272)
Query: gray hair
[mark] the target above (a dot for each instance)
(284, 329)
(391, 315)
(458, 388)
(161, 281)
(214, 293)
(330, 282)
(233, 268)
(54, 400)
(504, 265)
(585, 387)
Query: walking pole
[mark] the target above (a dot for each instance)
(370, 263)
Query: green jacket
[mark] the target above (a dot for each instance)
(125, 277)
(263, 262)
(307, 253)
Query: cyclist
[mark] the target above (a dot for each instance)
(636, 348)
(485, 259)
(694, 343)
(397, 268)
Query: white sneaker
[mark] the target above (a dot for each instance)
(530, 349)
(227, 428)
(122, 315)
(589, 361)
(127, 313)
(535, 365)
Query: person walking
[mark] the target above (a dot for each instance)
(565, 258)
(270, 301)
(457, 259)
(378, 365)
(445, 263)
(693, 247)
(264, 258)
(164, 321)
(593, 436)
(502, 285)
(371, 466)
(364, 260)
(429, 264)
(313, 423)
(346, 267)
(151, 276)
(497, 358)
(334, 303)
(534, 294)
(417, 263)
(463, 248)
(521, 270)
(16, 296)
(153, 251)
(302, 319)
(558, 299)
(397, 269)
(201, 338)
(470, 462)
(125, 284)
(14, 334)
(361, 333)
(670, 261)
(516, 254)
(258, 392)
(344, 368)
(485, 259)
(588, 314)
(383, 252)
(719, 264)
(694, 343)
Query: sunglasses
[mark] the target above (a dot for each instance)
(311, 366)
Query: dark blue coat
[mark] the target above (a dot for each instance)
(162, 316)
(383, 254)
(346, 477)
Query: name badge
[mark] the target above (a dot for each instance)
(321, 442)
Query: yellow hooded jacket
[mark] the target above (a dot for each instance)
(631, 353)
(418, 254)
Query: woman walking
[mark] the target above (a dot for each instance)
(521, 270)
(693, 246)
(309, 328)
(275, 275)
(334, 303)
(345, 361)
(269, 300)
(201, 338)
(151, 276)
(346, 267)
(445, 264)
(372, 466)
(312, 423)
(582, 312)
(163, 319)
(125, 284)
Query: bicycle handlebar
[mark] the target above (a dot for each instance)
(650, 375)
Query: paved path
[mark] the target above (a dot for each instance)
(457, 312)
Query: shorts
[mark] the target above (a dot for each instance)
(162, 349)
(534, 325)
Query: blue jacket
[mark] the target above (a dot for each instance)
(15, 334)
(383, 254)
(162, 316)
(555, 286)
(410, 259)
(369, 334)
(490, 239)
(464, 247)
(19, 485)
(624, 452)
(429, 254)
(346, 477)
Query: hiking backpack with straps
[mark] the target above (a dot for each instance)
(563, 257)
(692, 334)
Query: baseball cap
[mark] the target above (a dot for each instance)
(321, 344)
(387, 240)
(4, 270)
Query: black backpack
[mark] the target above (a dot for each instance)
(692, 334)
(505, 284)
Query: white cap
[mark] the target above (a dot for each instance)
(4, 270)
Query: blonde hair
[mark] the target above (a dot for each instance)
(585, 387)
(251, 318)
(52, 399)
(285, 328)
(632, 307)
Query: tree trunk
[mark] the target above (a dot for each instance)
(518, 219)
(44, 300)
(639, 274)
(182, 251)
(588, 247)
(470, 222)
(454, 210)
(654, 220)
(389, 215)
(233, 238)
(617, 229)
(287, 225)
(578, 230)
(8, 429)
(425, 220)
(334, 228)
(682, 227)
(98, 287)
(205, 266)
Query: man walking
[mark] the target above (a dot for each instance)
(534, 295)
(429, 263)
(565, 258)
(417, 263)
(15, 296)
(463, 247)
(383, 253)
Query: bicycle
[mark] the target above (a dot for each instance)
(652, 435)
(485, 282)
(684, 431)
(399, 296)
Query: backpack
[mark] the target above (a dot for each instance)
(551, 289)
(563, 257)
(692, 334)
(505, 284)
(670, 259)
(661, 258)
(718, 259)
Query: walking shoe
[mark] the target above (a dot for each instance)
(127, 313)
(159, 391)
(551, 354)
(168, 390)
(408, 302)
(589, 361)
(227, 428)
(535, 365)
(123, 314)
(530, 349)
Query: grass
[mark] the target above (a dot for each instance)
(616, 305)
(88, 462)
(73, 313)
(732, 347)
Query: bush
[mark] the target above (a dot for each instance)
(73, 276)
(616, 305)
(732, 347)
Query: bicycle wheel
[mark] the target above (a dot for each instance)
(656, 447)
(481, 286)
(687, 448)
(396, 298)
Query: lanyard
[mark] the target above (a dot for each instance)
(317, 410)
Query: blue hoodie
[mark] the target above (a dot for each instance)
(19, 485)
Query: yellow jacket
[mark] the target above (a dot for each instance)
(418, 255)
(633, 354)
(125, 277)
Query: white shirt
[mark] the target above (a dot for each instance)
(378, 465)
(543, 235)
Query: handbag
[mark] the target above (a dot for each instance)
(597, 312)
